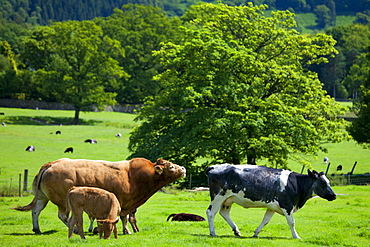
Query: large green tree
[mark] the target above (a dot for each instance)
(140, 29)
(360, 128)
(236, 91)
(8, 71)
(73, 63)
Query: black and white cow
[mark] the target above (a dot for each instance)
(252, 186)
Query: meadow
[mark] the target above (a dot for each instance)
(343, 222)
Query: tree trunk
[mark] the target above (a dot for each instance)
(251, 160)
(251, 157)
(76, 120)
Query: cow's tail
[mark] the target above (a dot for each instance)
(171, 215)
(36, 189)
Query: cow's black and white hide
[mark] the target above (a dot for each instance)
(250, 186)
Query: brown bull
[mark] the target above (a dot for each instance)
(132, 181)
(97, 203)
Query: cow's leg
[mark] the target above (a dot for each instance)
(291, 223)
(266, 219)
(225, 213)
(91, 227)
(115, 231)
(132, 220)
(211, 212)
(71, 223)
(124, 220)
(62, 215)
(40, 205)
(79, 223)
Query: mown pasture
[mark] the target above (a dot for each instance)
(343, 222)
(37, 127)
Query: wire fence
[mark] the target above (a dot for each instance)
(19, 186)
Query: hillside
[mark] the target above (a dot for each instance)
(44, 11)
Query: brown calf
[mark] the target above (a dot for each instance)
(97, 203)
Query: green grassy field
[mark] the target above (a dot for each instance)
(24, 128)
(343, 222)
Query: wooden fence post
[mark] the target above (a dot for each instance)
(20, 185)
(353, 168)
(327, 169)
(25, 181)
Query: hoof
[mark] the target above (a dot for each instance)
(37, 231)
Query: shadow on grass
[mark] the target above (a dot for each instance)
(45, 120)
(29, 234)
(241, 237)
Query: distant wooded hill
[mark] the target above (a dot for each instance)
(44, 11)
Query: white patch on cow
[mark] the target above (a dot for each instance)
(284, 179)
(326, 180)
(240, 199)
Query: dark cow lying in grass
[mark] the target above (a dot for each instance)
(252, 186)
(185, 217)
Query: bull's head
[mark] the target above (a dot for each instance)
(321, 185)
(168, 169)
(106, 227)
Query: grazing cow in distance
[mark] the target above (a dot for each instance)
(251, 186)
(118, 135)
(326, 160)
(58, 132)
(93, 141)
(30, 148)
(69, 150)
(97, 203)
(185, 217)
(339, 168)
(3, 124)
(132, 181)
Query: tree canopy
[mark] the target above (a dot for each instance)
(361, 125)
(237, 90)
(73, 63)
(140, 29)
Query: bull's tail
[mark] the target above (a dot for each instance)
(171, 215)
(36, 189)
(27, 207)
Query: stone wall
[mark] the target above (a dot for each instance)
(33, 104)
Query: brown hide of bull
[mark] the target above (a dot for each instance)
(97, 203)
(133, 182)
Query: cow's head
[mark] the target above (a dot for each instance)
(168, 170)
(321, 185)
(106, 227)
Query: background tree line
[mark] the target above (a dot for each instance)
(44, 11)
(252, 75)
